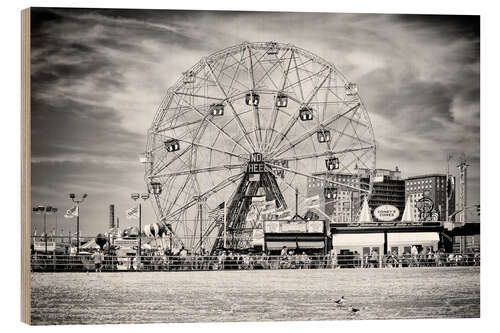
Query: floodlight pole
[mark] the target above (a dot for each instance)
(143, 196)
(78, 202)
(45, 228)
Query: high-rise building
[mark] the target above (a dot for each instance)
(343, 207)
(111, 216)
(462, 189)
(433, 187)
(388, 189)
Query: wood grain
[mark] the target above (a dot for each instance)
(25, 166)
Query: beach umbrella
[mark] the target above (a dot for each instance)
(162, 230)
(101, 240)
(147, 230)
(155, 229)
(134, 231)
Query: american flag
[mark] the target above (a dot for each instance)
(70, 213)
(217, 213)
(133, 212)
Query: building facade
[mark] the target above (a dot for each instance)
(344, 206)
(433, 187)
(388, 189)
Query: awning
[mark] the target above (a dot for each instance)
(279, 245)
(412, 238)
(369, 239)
(311, 245)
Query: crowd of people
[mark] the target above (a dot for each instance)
(231, 260)
(183, 260)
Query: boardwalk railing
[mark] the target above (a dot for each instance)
(85, 263)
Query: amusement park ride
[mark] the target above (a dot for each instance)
(252, 120)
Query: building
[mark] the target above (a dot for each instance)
(398, 239)
(433, 187)
(388, 189)
(346, 202)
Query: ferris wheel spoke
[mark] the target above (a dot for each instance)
(189, 123)
(163, 167)
(200, 170)
(273, 67)
(298, 76)
(223, 184)
(213, 124)
(280, 150)
(269, 169)
(344, 133)
(274, 115)
(360, 159)
(300, 81)
(307, 175)
(198, 96)
(233, 79)
(256, 117)
(177, 195)
(292, 121)
(325, 153)
(197, 144)
(235, 114)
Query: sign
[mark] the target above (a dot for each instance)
(256, 165)
(386, 213)
(294, 227)
(315, 226)
(272, 226)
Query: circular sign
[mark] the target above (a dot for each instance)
(386, 213)
(425, 205)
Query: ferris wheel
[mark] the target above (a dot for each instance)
(253, 119)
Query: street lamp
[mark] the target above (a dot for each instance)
(143, 196)
(44, 210)
(73, 198)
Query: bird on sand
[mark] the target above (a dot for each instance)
(340, 301)
(352, 309)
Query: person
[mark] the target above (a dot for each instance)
(97, 260)
(102, 260)
(414, 251)
(374, 258)
(283, 252)
(222, 260)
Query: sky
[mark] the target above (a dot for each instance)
(98, 76)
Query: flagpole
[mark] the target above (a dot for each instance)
(225, 227)
(77, 228)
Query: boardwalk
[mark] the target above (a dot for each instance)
(80, 298)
